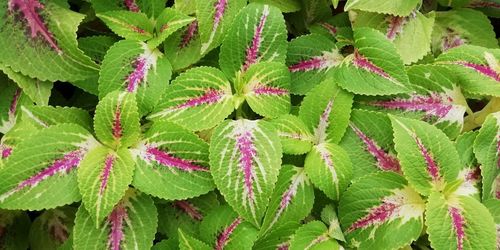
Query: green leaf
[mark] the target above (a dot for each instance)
(41, 43)
(52, 228)
(187, 242)
(223, 227)
(329, 168)
(428, 158)
(245, 158)
(487, 150)
(116, 120)
(129, 25)
(103, 177)
(314, 10)
(131, 225)
(292, 199)
(183, 47)
(258, 34)
(131, 66)
(96, 46)
(395, 7)
(36, 90)
(11, 100)
(313, 235)
(378, 204)
(15, 225)
(325, 111)
(277, 238)
(266, 88)
(45, 116)
(198, 99)
(286, 6)
(470, 172)
(476, 67)
(169, 21)
(215, 17)
(294, 135)
(172, 163)
(9, 141)
(375, 68)
(329, 216)
(459, 223)
(40, 173)
(309, 59)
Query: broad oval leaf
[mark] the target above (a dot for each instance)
(375, 67)
(309, 59)
(428, 158)
(103, 178)
(183, 47)
(378, 205)
(258, 34)
(487, 150)
(132, 67)
(198, 99)
(43, 167)
(116, 120)
(131, 225)
(295, 137)
(245, 158)
(127, 24)
(477, 68)
(38, 39)
(325, 111)
(172, 163)
(313, 235)
(52, 228)
(459, 223)
(329, 168)
(266, 88)
(394, 7)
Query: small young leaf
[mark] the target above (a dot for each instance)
(245, 158)
(36, 90)
(129, 25)
(487, 150)
(313, 235)
(11, 98)
(167, 23)
(294, 135)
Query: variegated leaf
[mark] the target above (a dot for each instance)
(169, 21)
(478, 68)
(487, 150)
(378, 204)
(151, 7)
(375, 67)
(292, 199)
(36, 90)
(132, 67)
(9, 141)
(103, 177)
(198, 99)
(131, 225)
(127, 24)
(428, 158)
(278, 238)
(172, 163)
(395, 7)
(116, 120)
(183, 47)
(11, 99)
(286, 6)
(266, 88)
(493, 206)
(52, 228)
(43, 167)
(295, 137)
(325, 111)
(96, 47)
(459, 222)
(245, 158)
(329, 168)
(42, 117)
(38, 39)
(224, 229)
(469, 174)
(369, 142)
(258, 34)
(309, 59)
(313, 235)
(215, 17)
(336, 28)
(14, 226)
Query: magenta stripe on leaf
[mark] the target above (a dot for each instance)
(131, 5)
(220, 8)
(115, 220)
(314, 63)
(431, 165)
(223, 237)
(269, 90)
(320, 131)
(451, 40)
(247, 149)
(58, 230)
(316, 241)
(435, 104)
(13, 103)
(385, 161)
(498, 152)
(189, 209)
(283, 246)
(5, 151)
(252, 51)
(189, 34)
(458, 223)
(482, 69)
(395, 28)
(363, 63)
(484, 4)
(330, 28)
(141, 67)
(117, 124)
(473, 175)
(108, 165)
(167, 160)
(210, 96)
(29, 10)
(376, 216)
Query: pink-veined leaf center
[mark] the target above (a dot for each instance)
(165, 159)
(189, 34)
(431, 165)
(252, 52)
(223, 237)
(247, 149)
(108, 166)
(116, 220)
(131, 5)
(458, 223)
(189, 209)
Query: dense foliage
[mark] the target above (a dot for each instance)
(268, 124)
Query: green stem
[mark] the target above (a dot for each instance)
(477, 119)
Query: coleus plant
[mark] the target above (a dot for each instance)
(261, 124)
